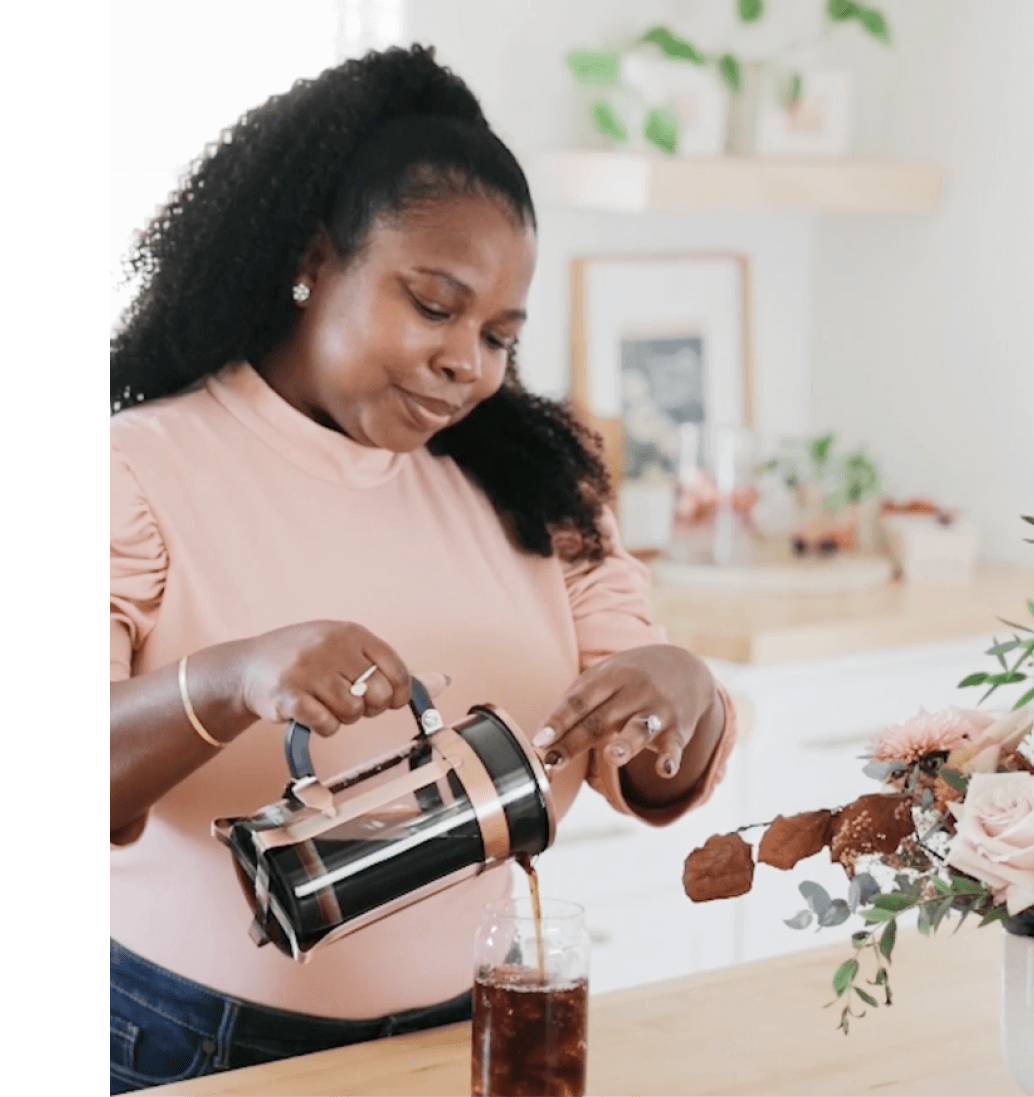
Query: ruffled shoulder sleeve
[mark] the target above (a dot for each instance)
(139, 563)
(611, 608)
(610, 600)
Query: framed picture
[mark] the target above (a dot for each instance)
(658, 341)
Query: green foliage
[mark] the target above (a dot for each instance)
(844, 977)
(958, 781)
(875, 23)
(729, 68)
(606, 120)
(594, 66)
(792, 90)
(839, 10)
(887, 940)
(750, 10)
(679, 49)
(662, 129)
(1022, 651)
(871, 19)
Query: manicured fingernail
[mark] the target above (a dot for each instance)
(619, 753)
(544, 738)
(555, 760)
(669, 767)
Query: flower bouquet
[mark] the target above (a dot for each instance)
(949, 835)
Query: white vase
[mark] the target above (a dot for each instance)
(1017, 1016)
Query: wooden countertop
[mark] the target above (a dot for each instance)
(779, 628)
(751, 1029)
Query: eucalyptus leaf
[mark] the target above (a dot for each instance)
(887, 939)
(944, 907)
(750, 10)
(680, 49)
(881, 977)
(1024, 700)
(875, 914)
(594, 66)
(662, 129)
(963, 885)
(995, 914)
(924, 924)
(958, 781)
(860, 938)
(606, 120)
(1002, 649)
(880, 771)
(867, 882)
(844, 976)
(1010, 677)
(894, 901)
(835, 914)
(1012, 624)
(815, 895)
(942, 887)
(867, 998)
(977, 679)
(801, 920)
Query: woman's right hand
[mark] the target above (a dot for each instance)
(304, 673)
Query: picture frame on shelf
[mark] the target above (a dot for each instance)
(658, 340)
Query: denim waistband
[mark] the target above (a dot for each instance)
(262, 1028)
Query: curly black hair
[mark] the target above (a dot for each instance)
(367, 139)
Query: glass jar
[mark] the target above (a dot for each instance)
(531, 989)
(1017, 1016)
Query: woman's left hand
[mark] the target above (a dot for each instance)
(645, 699)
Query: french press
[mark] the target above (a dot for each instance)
(331, 857)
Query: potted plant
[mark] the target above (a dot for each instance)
(644, 92)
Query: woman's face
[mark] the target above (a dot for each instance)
(413, 334)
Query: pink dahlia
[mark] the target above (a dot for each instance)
(928, 732)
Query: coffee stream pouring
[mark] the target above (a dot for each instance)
(331, 857)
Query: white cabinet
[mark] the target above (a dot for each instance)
(810, 723)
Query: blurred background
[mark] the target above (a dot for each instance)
(786, 259)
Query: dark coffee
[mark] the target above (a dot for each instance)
(529, 1034)
(524, 860)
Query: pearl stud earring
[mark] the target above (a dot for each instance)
(300, 292)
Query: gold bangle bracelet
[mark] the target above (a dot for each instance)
(188, 708)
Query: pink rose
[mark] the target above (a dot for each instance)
(994, 836)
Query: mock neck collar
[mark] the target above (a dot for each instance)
(315, 449)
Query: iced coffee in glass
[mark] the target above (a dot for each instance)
(531, 995)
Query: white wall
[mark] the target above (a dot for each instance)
(923, 328)
(914, 335)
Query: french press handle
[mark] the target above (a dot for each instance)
(296, 741)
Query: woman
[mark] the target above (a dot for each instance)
(325, 469)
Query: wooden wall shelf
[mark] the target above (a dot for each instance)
(631, 182)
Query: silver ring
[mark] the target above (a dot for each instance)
(358, 687)
(653, 725)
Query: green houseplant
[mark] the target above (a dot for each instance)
(603, 70)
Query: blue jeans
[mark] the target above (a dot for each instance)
(165, 1028)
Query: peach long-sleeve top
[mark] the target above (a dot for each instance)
(232, 513)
